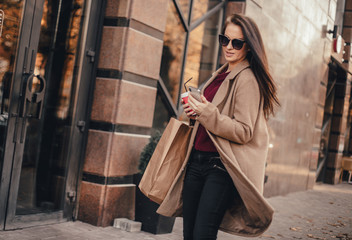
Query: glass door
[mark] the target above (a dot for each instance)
(44, 160)
(18, 44)
(47, 107)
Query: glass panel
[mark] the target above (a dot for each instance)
(44, 160)
(161, 114)
(200, 7)
(10, 21)
(202, 51)
(171, 62)
(184, 5)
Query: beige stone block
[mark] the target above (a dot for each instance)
(105, 100)
(125, 153)
(325, 77)
(96, 159)
(319, 117)
(343, 124)
(112, 46)
(119, 202)
(101, 204)
(305, 157)
(136, 104)
(91, 203)
(332, 9)
(143, 54)
(341, 145)
(313, 163)
(338, 162)
(324, 4)
(316, 138)
(322, 94)
(152, 13)
(311, 179)
(118, 8)
(327, 52)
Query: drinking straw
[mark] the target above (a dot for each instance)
(186, 83)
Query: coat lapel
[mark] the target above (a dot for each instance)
(224, 87)
(222, 68)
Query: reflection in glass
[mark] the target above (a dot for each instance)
(200, 7)
(161, 114)
(202, 51)
(184, 5)
(8, 43)
(44, 163)
(171, 62)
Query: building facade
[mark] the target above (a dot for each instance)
(84, 84)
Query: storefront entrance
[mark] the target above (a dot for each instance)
(331, 146)
(47, 71)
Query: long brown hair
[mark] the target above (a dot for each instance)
(258, 61)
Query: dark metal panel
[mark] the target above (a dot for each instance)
(209, 14)
(83, 108)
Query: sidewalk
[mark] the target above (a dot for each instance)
(322, 213)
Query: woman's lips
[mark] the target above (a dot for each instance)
(229, 54)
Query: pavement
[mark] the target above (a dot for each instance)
(322, 213)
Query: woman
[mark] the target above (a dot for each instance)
(222, 184)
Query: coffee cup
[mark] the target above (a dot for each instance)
(184, 97)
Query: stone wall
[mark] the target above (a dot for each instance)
(123, 107)
(298, 53)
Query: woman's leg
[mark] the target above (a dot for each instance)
(217, 194)
(192, 189)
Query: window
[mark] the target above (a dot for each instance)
(190, 50)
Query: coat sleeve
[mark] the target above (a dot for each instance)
(239, 127)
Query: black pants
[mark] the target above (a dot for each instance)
(208, 191)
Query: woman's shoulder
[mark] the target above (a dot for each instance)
(247, 77)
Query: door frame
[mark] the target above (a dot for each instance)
(84, 102)
(26, 45)
(12, 163)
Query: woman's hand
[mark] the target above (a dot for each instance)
(188, 110)
(197, 106)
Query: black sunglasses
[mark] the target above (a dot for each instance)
(236, 43)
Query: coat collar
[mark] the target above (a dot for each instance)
(221, 93)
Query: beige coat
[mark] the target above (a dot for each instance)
(235, 123)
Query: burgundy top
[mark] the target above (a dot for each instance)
(202, 141)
